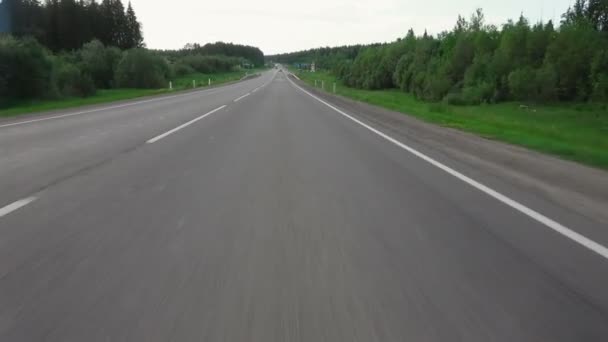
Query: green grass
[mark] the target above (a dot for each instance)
(102, 96)
(111, 95)
(578, 132)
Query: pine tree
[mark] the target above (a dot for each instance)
(133, 29)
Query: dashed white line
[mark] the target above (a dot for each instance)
(557, 227)
(157, 138)
(108, 108)
(242, 97)
(16, 205)
(256, 89)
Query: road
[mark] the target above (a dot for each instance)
(259, 212)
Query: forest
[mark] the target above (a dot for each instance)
(476, 62)
(67, 48)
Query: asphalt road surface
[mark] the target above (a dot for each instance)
(257, 212)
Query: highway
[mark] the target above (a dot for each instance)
(261, 211)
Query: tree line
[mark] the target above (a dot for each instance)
(68, 24)
(250, 54)
(68, 48)
(478, 63)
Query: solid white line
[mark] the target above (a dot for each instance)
(155, 139)
(16, 205)
(567, 232)
(256, 89)
(242, 97)
(107, 108)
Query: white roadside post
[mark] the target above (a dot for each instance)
(170, 85)
(193, 83)
(209, 82)
(323, 85)
(334, 87)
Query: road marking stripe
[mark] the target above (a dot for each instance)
(209, 91)
(242, 97)
(256, 89)
(16, 205)
(559, 228)
(157, 138)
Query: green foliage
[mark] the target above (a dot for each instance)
(477, 63)
(210, 64)
(181, 69)
(140, 68)
(522, 84)
(63, 25)
(246, 54)
(25, 69)
(71, 81)
(100, 62)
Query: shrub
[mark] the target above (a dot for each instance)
(181, 69)
(25, 69)
(455, 99)
(522, 84)
(100, 62)
(482, 92)
(210, 64)
(71, 81)
(600, 89)
(546, 84)
(139, 68)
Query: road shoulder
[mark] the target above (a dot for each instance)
(582, 189)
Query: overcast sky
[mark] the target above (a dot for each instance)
(281, 26)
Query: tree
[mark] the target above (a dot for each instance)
(140, 68)
(133, 36)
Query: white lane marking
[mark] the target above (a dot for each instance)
(242, 97)
(157, 138)
(209, 91)
(16, 205)
(256, 89)
(556, 226)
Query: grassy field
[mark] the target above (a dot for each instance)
(577, 132)
(110, 95)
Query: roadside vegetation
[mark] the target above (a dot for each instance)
(575, 131)
(60, 54)
(535, 85)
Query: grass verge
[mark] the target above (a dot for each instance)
(111, 95)
(577, 132)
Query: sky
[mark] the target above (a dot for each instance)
(280, 26)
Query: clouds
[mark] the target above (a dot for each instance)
(280, 26)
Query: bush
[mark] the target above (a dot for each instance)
(455, 99)
(139, 68)
(479, 93)
(210, 64)
(71, 81)
(25, 69)
(546, 84)
(600, 89)
(522, 84)
(181, 69)
(100, 62)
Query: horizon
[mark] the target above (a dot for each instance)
(321, 24)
